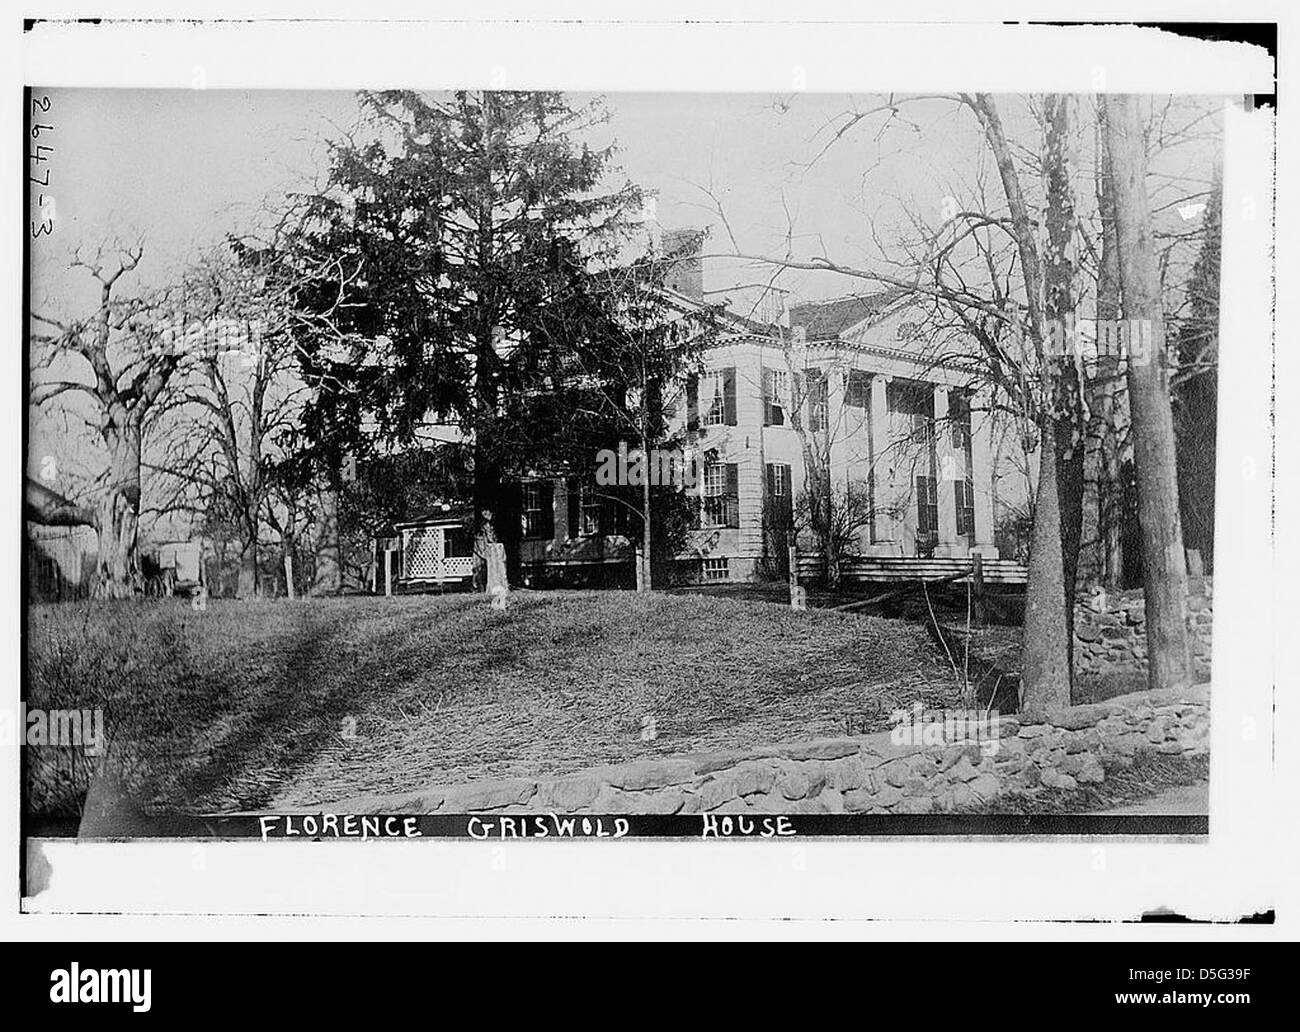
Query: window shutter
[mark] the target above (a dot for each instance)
(575, 512)
(733, 494)
(692, 403)
(509, 510)
(958, 494)
(729, 396)
(771, 479)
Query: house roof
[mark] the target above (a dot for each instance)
(826, 320)
(450, 514)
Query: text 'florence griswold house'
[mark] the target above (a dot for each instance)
(849, 387)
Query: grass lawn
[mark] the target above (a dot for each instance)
(250, 704)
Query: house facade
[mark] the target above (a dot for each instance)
(846, 393)
(845, 396)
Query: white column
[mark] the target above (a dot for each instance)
(882, 461)
(948, 467)
(838, 426)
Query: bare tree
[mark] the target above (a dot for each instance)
(1014, 311)
(122, 357)
(228, 423)
(1107, 401)
(1045, 665)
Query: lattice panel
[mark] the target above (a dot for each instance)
(424, 553)
(459, 566)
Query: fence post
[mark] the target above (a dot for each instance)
(388, 571)
(796, 593)
(498, 586)
(288, 575)
(640, 570)
(977, 587)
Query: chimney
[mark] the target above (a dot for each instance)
(682, 250)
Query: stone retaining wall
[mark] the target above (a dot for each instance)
(1110, 633)
(870, 774)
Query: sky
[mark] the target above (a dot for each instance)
(180, 168)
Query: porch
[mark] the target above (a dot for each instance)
(888, 569)
(435, 553)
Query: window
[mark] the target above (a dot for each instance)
(775, 389)
(713, 395)
(537, 512)
(716, 391)
(818, 401)
(857, 389)
(590, 511)
(721, 495)
(964, 491)
(778, 479)
(716, 570)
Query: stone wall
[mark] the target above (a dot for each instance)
(871, 774)
(1110, 633)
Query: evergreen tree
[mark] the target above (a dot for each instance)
(463, 227)
(1196, 388)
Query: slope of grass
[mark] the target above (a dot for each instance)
(248, 704)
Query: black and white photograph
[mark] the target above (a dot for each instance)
(528, 456)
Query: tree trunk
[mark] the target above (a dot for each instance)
(117, 518)
(488, 522)
(1063, 388)
(1045, 663)
(1105, 387)
(248, 585)
(1164, 571)
(495, 521)
(328, 578)
(645, 580)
